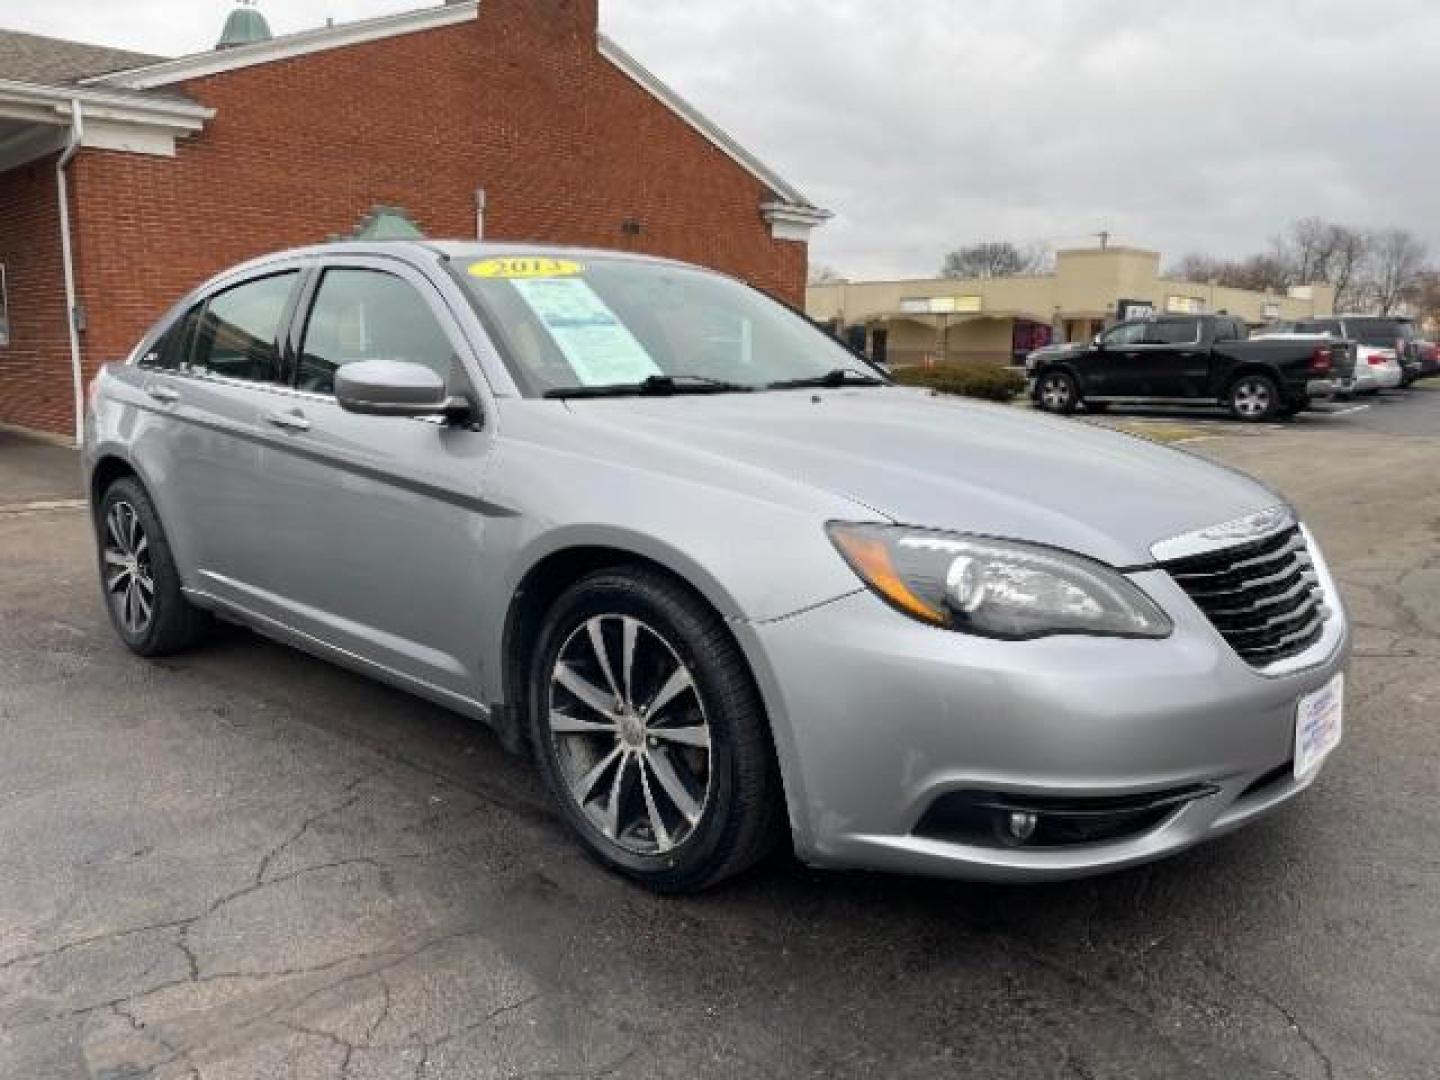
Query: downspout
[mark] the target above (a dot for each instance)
(67, 259)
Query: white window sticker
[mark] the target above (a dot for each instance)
(596, 344)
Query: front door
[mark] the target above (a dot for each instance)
(375, 544)
(1170, 360)
(1111, 369)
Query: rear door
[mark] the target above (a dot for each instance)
(375, 543)
(228, 376)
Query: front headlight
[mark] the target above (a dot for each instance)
(996, 588)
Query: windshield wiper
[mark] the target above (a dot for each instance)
(654, 386)
(831, 380)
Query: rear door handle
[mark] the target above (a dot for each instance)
(290, 421)
(163, 394)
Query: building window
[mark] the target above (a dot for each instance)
(4, 308)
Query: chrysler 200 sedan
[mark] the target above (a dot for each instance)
(718, 575)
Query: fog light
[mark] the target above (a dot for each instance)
(1021, 825)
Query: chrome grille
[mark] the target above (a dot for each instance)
(1264, 597)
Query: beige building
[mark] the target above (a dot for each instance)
(1001, 319)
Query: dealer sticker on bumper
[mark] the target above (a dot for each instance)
(1318, 724)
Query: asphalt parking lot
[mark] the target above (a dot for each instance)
(246, 863)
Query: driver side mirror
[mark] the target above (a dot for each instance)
(1098, 342)
(391, 388)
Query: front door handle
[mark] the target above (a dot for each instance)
(290, 421)
(163, 394)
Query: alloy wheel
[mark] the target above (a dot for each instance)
(1252, 398)
(630, 735)
(1055, 393)
(129, 583)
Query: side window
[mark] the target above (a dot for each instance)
(171, 351)
(238, 330)
(1177, 332)
(1132, 333)
(1230, 330)
(369, 315)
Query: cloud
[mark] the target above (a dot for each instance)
(1197, 125)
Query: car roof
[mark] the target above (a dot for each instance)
(427, 251)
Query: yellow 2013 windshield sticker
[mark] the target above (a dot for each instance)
(526, 267)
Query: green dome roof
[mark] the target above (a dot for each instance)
(245, 26)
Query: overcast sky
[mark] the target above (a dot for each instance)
(1197, 125)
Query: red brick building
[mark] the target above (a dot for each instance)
(515, 118)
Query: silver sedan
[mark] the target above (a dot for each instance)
(725, 582)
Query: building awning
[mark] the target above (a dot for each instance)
(955, 318)
(35, 120)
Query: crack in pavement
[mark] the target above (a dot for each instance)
(352, 797)
(1274, 1003)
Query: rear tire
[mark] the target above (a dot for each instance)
(674, 788)
(138, 578)
(1253, 399)
(1056, 392)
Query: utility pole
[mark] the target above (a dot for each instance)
(1104, 235)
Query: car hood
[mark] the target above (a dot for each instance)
(946, 463)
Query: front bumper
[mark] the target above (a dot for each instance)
(877, 717)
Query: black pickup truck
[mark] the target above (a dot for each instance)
(1191, 360)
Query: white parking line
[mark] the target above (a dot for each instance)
(43, 507)
(1347, 410)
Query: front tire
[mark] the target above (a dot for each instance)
(1253, 399)
(650, 734)
(1056, 392)
(137, 574)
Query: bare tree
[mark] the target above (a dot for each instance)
(1309, 248)
(1426, 300)
(1201, 269)
(1348, 254)
(1397, 261)
(825, 275)
(992, 259)
(1312, 251)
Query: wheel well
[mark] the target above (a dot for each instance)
(1251, 369)
(542, 585)
(106, 472)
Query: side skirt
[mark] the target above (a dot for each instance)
(308, 643)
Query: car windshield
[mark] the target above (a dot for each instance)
(574, 326)
(1378, 332)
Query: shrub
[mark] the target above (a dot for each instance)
(974, 378)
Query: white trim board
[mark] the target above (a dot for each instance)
(218, 61)
(114, 120)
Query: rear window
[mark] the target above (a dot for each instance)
(1381, 333)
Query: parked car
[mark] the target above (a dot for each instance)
(1384, 358)
(1191, 360)
(714, 573)
(1429, 354)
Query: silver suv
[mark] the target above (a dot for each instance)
(720, 577)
